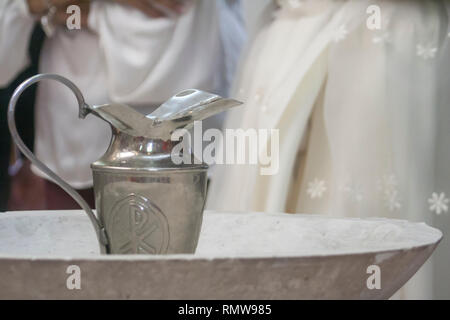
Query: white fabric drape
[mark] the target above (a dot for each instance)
(361, 115)
(124, 57)
(13, 40)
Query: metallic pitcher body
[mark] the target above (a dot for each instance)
(146, 204)
(152, 210)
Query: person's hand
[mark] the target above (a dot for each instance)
(152, 8)
(61, 15)
(40, 7)
(157, 8)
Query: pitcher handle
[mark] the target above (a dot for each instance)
(83, 111)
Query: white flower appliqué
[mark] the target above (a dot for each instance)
(426, 52)
(290, 4)
(316, 188)
(294, 4)
(388, 185)
(340, 34)
(392, 200)
(388, 182)
(382, 38)
(438, 203)
(353, 191)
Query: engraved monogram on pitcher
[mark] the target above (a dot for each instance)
(138, 226)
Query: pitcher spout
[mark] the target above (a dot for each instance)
(178, 112)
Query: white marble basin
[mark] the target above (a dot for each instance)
(239, 256)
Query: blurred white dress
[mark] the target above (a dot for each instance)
(363, 115)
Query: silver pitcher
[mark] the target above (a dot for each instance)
(145, 202)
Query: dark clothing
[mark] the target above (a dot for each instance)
(24, 114)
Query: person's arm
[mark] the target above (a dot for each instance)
(17, 20)
(16, 25)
